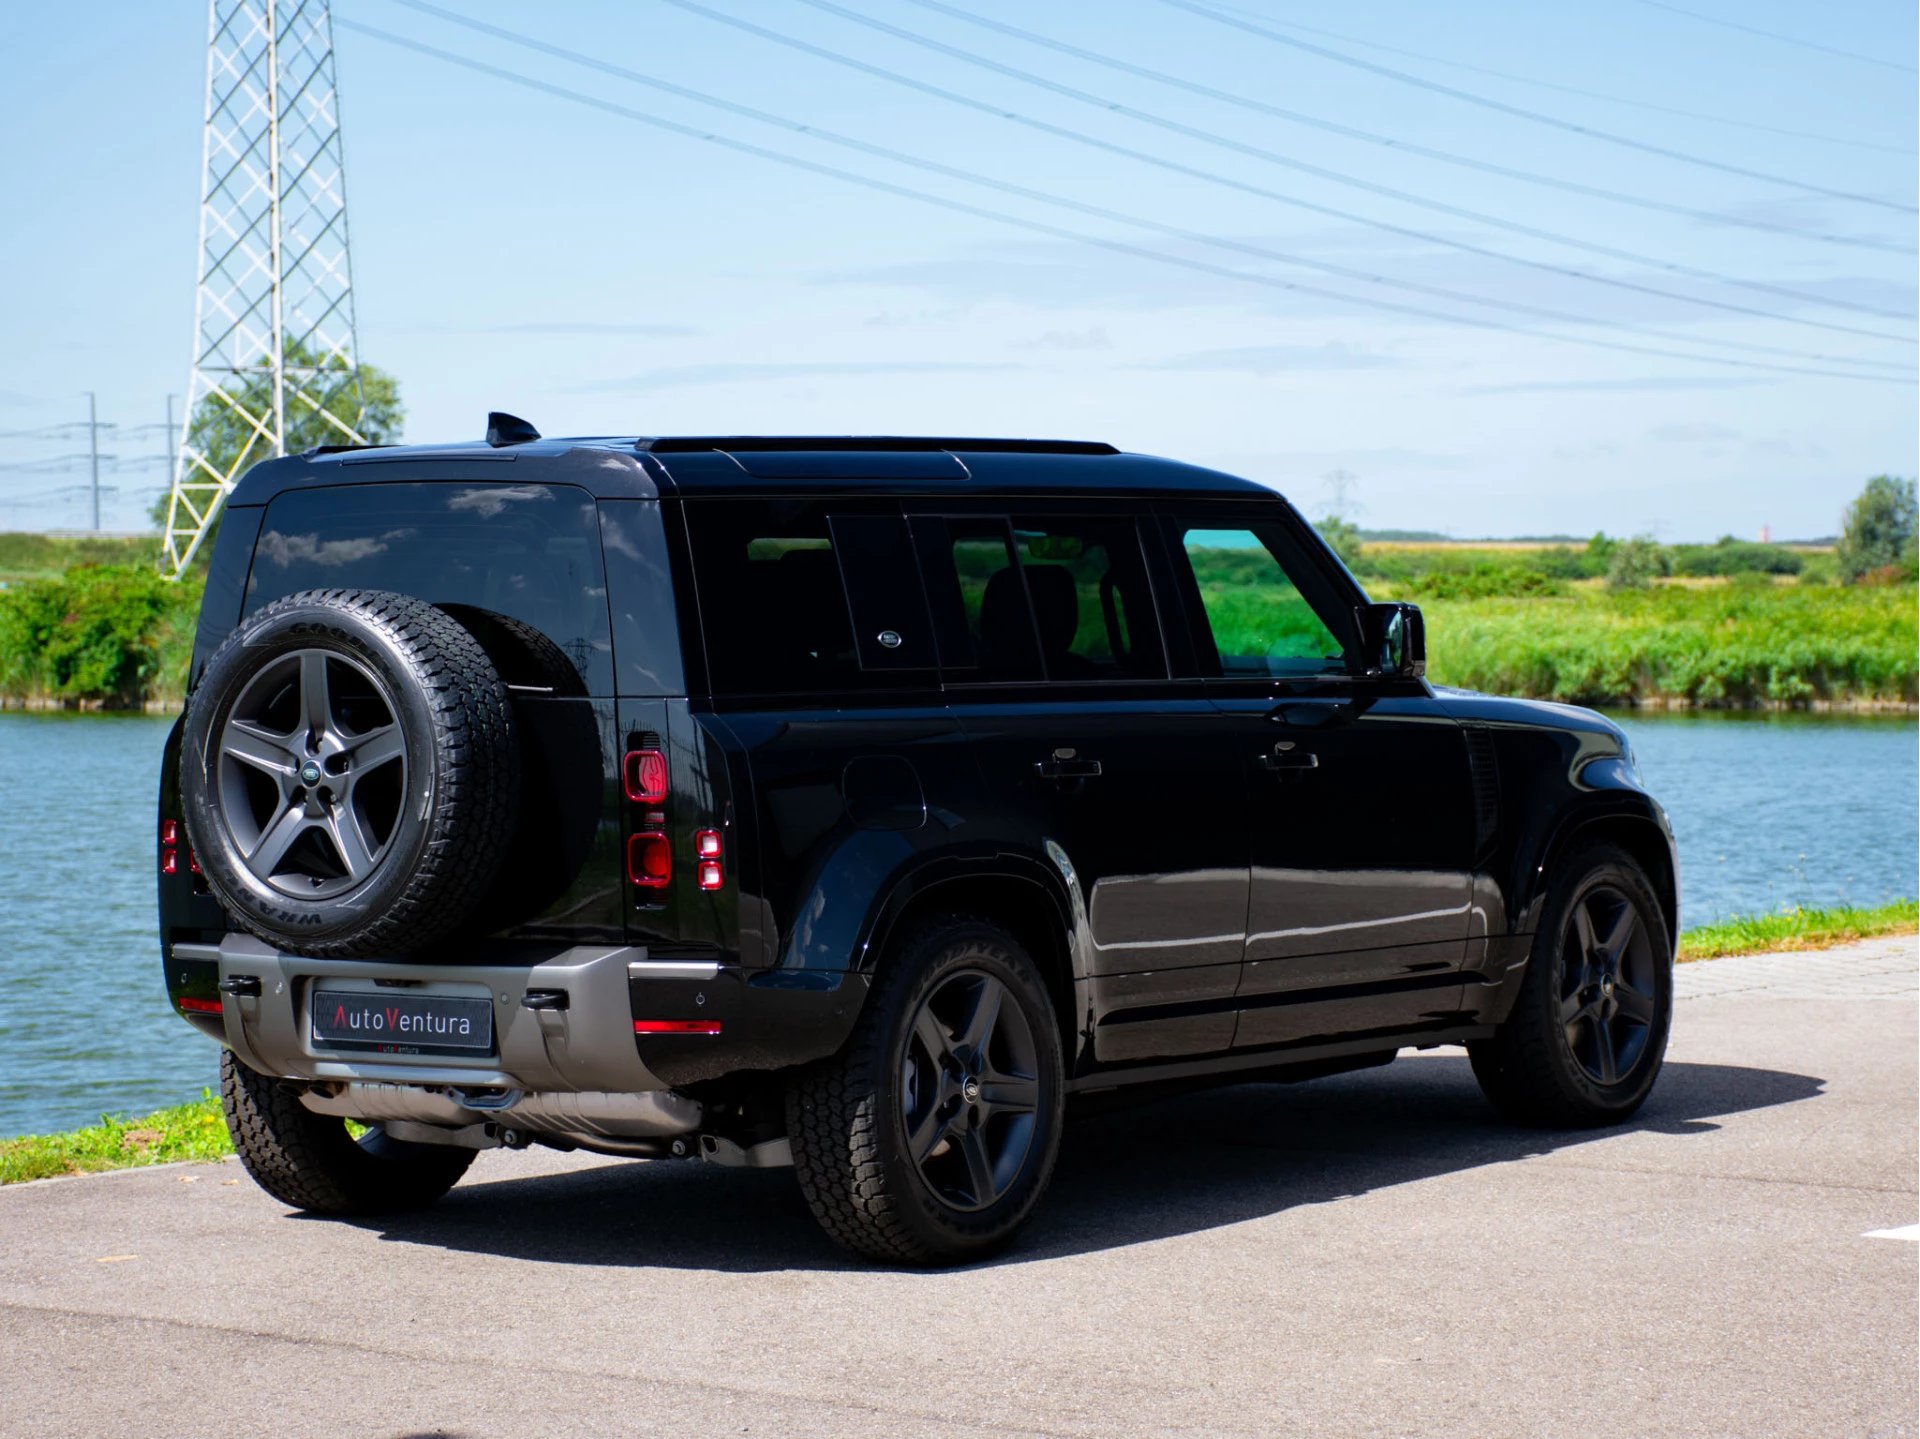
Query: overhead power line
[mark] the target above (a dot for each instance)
(1108, 104)
(1059, 232)
(1101, 212)
(1534, 80)
(1487, 102)
(1783, 39)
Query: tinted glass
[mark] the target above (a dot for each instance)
(1091, 602)
(646, 635)
(774, 600)
(529, 552)
(980, 608)
(1260, 621)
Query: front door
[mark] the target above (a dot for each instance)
(1054, 664)
(1361, 803)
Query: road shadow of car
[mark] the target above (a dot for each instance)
(1159, 1169)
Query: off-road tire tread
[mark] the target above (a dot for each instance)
(477, 767)
(308, 1161)
(1516, 1067)
(834, 1114)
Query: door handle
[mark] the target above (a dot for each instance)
(1285, 758)
(1067, 766)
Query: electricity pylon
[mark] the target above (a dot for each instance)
(273, 312)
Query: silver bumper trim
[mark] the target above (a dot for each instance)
(586, 1047)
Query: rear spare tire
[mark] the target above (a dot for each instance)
(349, 773)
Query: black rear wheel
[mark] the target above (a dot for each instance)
(931, 1137)
(310, 1161)
(1588, 1033)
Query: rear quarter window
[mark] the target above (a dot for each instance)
(528, 552)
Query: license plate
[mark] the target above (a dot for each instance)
(395, 1022)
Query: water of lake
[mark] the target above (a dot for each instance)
(1771, 810)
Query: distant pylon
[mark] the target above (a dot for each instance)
(273, 312)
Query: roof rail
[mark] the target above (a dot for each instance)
(688, 444)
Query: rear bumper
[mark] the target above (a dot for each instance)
(255, 1000)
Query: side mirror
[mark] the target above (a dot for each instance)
(1394, 641)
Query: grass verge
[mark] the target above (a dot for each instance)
(1799, 929)
(187, 1131)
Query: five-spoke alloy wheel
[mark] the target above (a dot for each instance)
(313, 767)
(1588, 1029)
(930, 1137)
(969, 1090)
(349, 773)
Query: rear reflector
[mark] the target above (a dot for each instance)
(676, 1026)
(200, 1006)
(650, 860)
(646, 776)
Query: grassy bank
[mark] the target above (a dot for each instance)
(1799, 929)
(187, 1131)
(1711, 644)
(197, 1131)
(1500, 622)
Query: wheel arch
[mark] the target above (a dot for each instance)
(1017, 893)
(1642, 833)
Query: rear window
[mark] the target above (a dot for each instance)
(529, 552)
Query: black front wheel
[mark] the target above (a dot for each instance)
(1587, 1034)
(930, 1138)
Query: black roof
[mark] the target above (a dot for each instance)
(616, 467)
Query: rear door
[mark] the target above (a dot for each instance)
(822, 687)
(1055, 665)
(1361, 812)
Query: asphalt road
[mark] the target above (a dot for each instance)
(1367, 1255)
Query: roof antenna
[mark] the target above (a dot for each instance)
(504, 429)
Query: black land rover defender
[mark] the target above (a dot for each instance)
(855, 804)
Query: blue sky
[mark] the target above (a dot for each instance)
(517, 250)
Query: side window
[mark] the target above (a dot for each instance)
(781, 583)
(1260, 621)
(1061, 598)
(1088, 587)
(646, 631)
(981, 616)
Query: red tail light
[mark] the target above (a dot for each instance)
(646, 776)
(169, 831)
(650, 860)
(676, 1026)
(169, 861)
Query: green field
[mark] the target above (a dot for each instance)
(1497, 622)
(1714, 644)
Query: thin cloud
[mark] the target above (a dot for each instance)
(738, 373)
(1279, 359)
(1649, 382)
(594, 327)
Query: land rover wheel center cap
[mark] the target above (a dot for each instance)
(309, 773)
(970, 1091)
